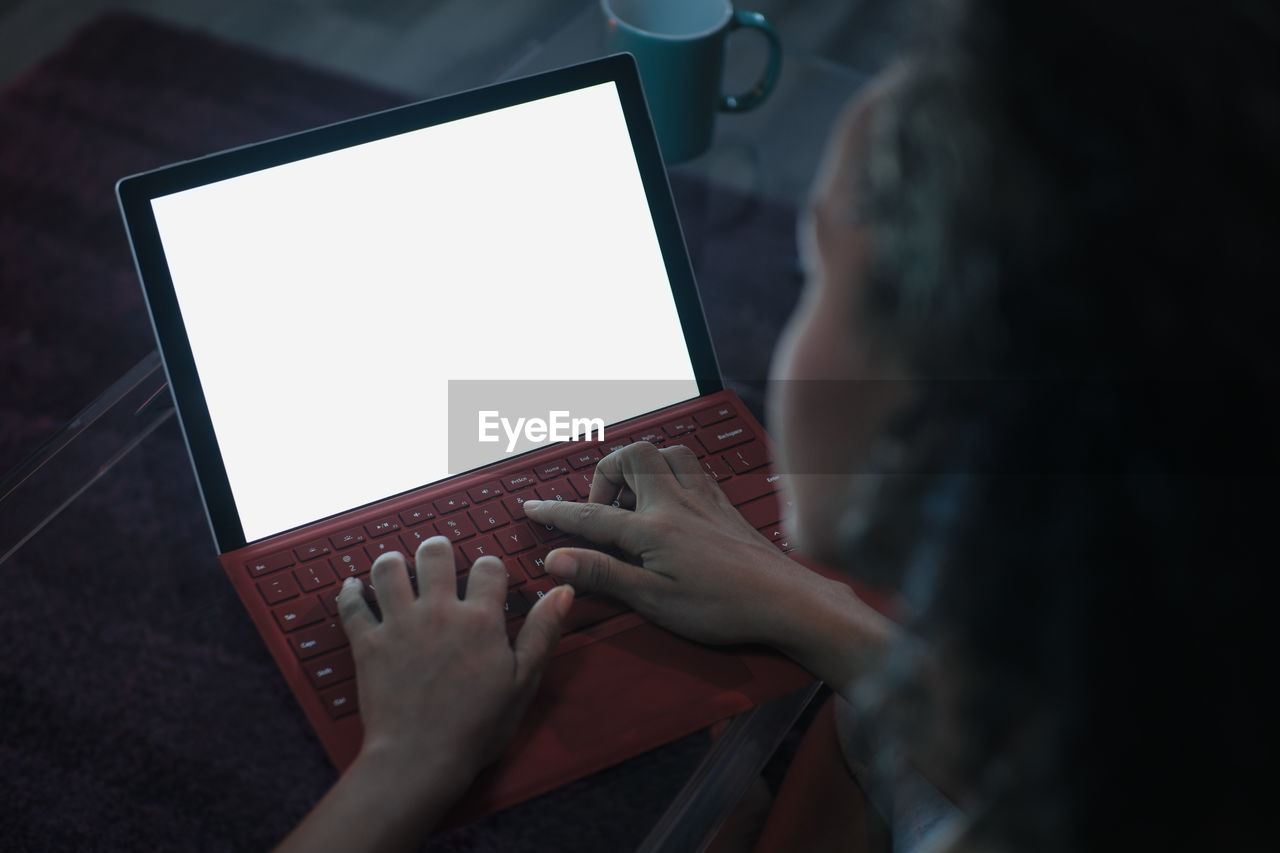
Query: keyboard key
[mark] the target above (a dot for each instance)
(653, 436)
(548, 470)
(725, 435)
(347, 538)
(535, 564)
(487, 491)
(585, 458)
(713, 415)
(312, 550)
(382, 526)
(775, 534)
(519, 481)
(547, 533)
(537, 590)
(560, 490)
(311, 576)
(352, 564)
(269, 564)
(279, 588)
(717, 467)
(516, 605)
(329, 598)
(418, 514)
(515, 504)
(613, 445)
(772, 532)
(299, 613)
(679, 426)
(581, 482)
(331, 668)
(746, 457)
(488, 517)
(761, 512)
(411, 539)
(383, 546)
(516, 538)
(747, 487)
(341, 700)
(456, 528)
(690, 442)
(483, 546)
(453, 503)
(310, 642)
(515, 578)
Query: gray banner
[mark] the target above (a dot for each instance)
(495, 419)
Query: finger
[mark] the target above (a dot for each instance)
(436, 576)
(357, 619)
(593, 571)
(487, 583)
(602, 489)
(539, 636)
(684, 463)
(389, 578)
(638, 466)
(604, 524)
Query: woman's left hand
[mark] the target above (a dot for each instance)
(442, 691)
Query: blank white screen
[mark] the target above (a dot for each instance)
(328, 301)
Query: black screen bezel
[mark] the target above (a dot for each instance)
(135, 194)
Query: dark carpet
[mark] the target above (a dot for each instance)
(140, 709)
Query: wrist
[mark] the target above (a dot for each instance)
(825, 627)
(421, 777)
(408, 798)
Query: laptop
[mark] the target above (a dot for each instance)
(406, 324)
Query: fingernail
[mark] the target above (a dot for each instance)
(564, 600)
(532, 503)
(562, 564)
(352, 582)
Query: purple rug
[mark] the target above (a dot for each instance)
(141, 710)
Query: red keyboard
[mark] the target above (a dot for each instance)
(300, 584)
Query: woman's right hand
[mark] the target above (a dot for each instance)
(699, 569)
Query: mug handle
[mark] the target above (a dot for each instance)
(755, 96)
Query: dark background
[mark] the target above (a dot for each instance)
(138, 709)
(428, 47)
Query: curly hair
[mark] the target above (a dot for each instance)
(1076, 215)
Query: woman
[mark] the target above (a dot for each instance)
(1024, 384)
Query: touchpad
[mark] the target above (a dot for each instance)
(647, 674)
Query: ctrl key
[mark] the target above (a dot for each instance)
(341, 700)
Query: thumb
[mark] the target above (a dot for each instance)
(595, 571)
(540, 633)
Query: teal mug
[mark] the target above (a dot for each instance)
(679, 49)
